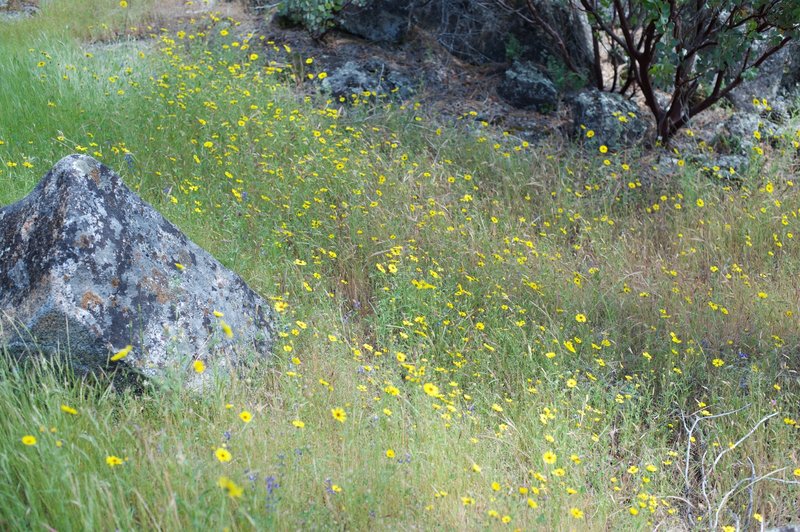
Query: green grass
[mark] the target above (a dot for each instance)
(471, 302)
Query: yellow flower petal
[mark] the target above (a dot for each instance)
(122, 353)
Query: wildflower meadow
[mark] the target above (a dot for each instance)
(476, 332)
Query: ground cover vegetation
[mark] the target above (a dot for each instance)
(476, 332)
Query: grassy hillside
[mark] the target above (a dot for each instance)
(476, 333)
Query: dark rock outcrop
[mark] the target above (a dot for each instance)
(88, 268)
(380, 21)
(615, 121)
(373, 79)
(486, 32)
(526, 87)
(477, 32)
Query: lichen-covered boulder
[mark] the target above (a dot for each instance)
(776, 75)
(526, 87)
(88, 268)
(737, 134)
(366, 81)
(614, 120)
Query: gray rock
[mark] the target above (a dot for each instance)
(526, 87)
(781, 71)
(16, 9)
(382, 21)
(726, 167)
(370, 80)
(790, 83)
(87, 268)
(736, 134)
(616, 121)
(726, 163)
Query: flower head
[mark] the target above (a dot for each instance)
(69, 410)
(223, 455)
(226, 328)
(430, 389)
(231, 488)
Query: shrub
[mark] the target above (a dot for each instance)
(315, 15)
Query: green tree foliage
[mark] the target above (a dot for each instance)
(695, 52)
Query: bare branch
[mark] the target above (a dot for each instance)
(749, 511)
(519, 12)
(690, 433)
(554, 35)
(601, 24)
(735, 489)
(743, 438)
(626, 30)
